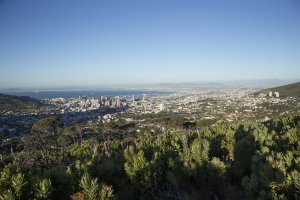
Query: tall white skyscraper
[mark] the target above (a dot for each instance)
(161, 107)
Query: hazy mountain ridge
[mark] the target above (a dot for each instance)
(266, 83)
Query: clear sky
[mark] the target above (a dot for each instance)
(95, 42)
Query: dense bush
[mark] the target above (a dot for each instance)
(243, 160)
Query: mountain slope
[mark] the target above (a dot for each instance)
(15, 103)
(291, 90)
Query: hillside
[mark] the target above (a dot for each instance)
(16, 103)
(291, 90)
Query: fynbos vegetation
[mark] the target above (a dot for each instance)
(243, 160)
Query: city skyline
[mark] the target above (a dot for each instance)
(61, 44)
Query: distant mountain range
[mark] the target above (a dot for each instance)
(290, 90)
(267, 83)
(18, 104)
(227, 84)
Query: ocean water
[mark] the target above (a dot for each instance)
(71, 94)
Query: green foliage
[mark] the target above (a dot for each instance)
(105, 169)
(61, 182)
(75, 132)
(137, 168)
(89, 186)
(40, 151)
(93, 190)
(5, 177)
(242, 160)
(43, 189)
(11, 182)
(7, 195)
(206, 122)
(244, 149)
(17, 184)
(50, 124)
(199, 151)
(258, 182)
(106, 193)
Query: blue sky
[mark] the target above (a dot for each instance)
(54, 43)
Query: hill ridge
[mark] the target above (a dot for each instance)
(18, 103)
(290, 90)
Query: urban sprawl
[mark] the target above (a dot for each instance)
(194, 105)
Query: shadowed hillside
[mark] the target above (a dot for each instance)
(15, 103)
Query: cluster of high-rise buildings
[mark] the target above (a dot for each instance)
(114, 102)
(99, 102)
(85, 103)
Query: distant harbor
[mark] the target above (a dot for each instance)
(87, 93)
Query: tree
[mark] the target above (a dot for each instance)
(47, 125)
(40, 151)
(75, 132)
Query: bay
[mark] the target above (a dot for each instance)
(81, 93)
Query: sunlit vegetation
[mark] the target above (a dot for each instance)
(241, 160)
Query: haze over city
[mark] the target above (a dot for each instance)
(96, 43)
